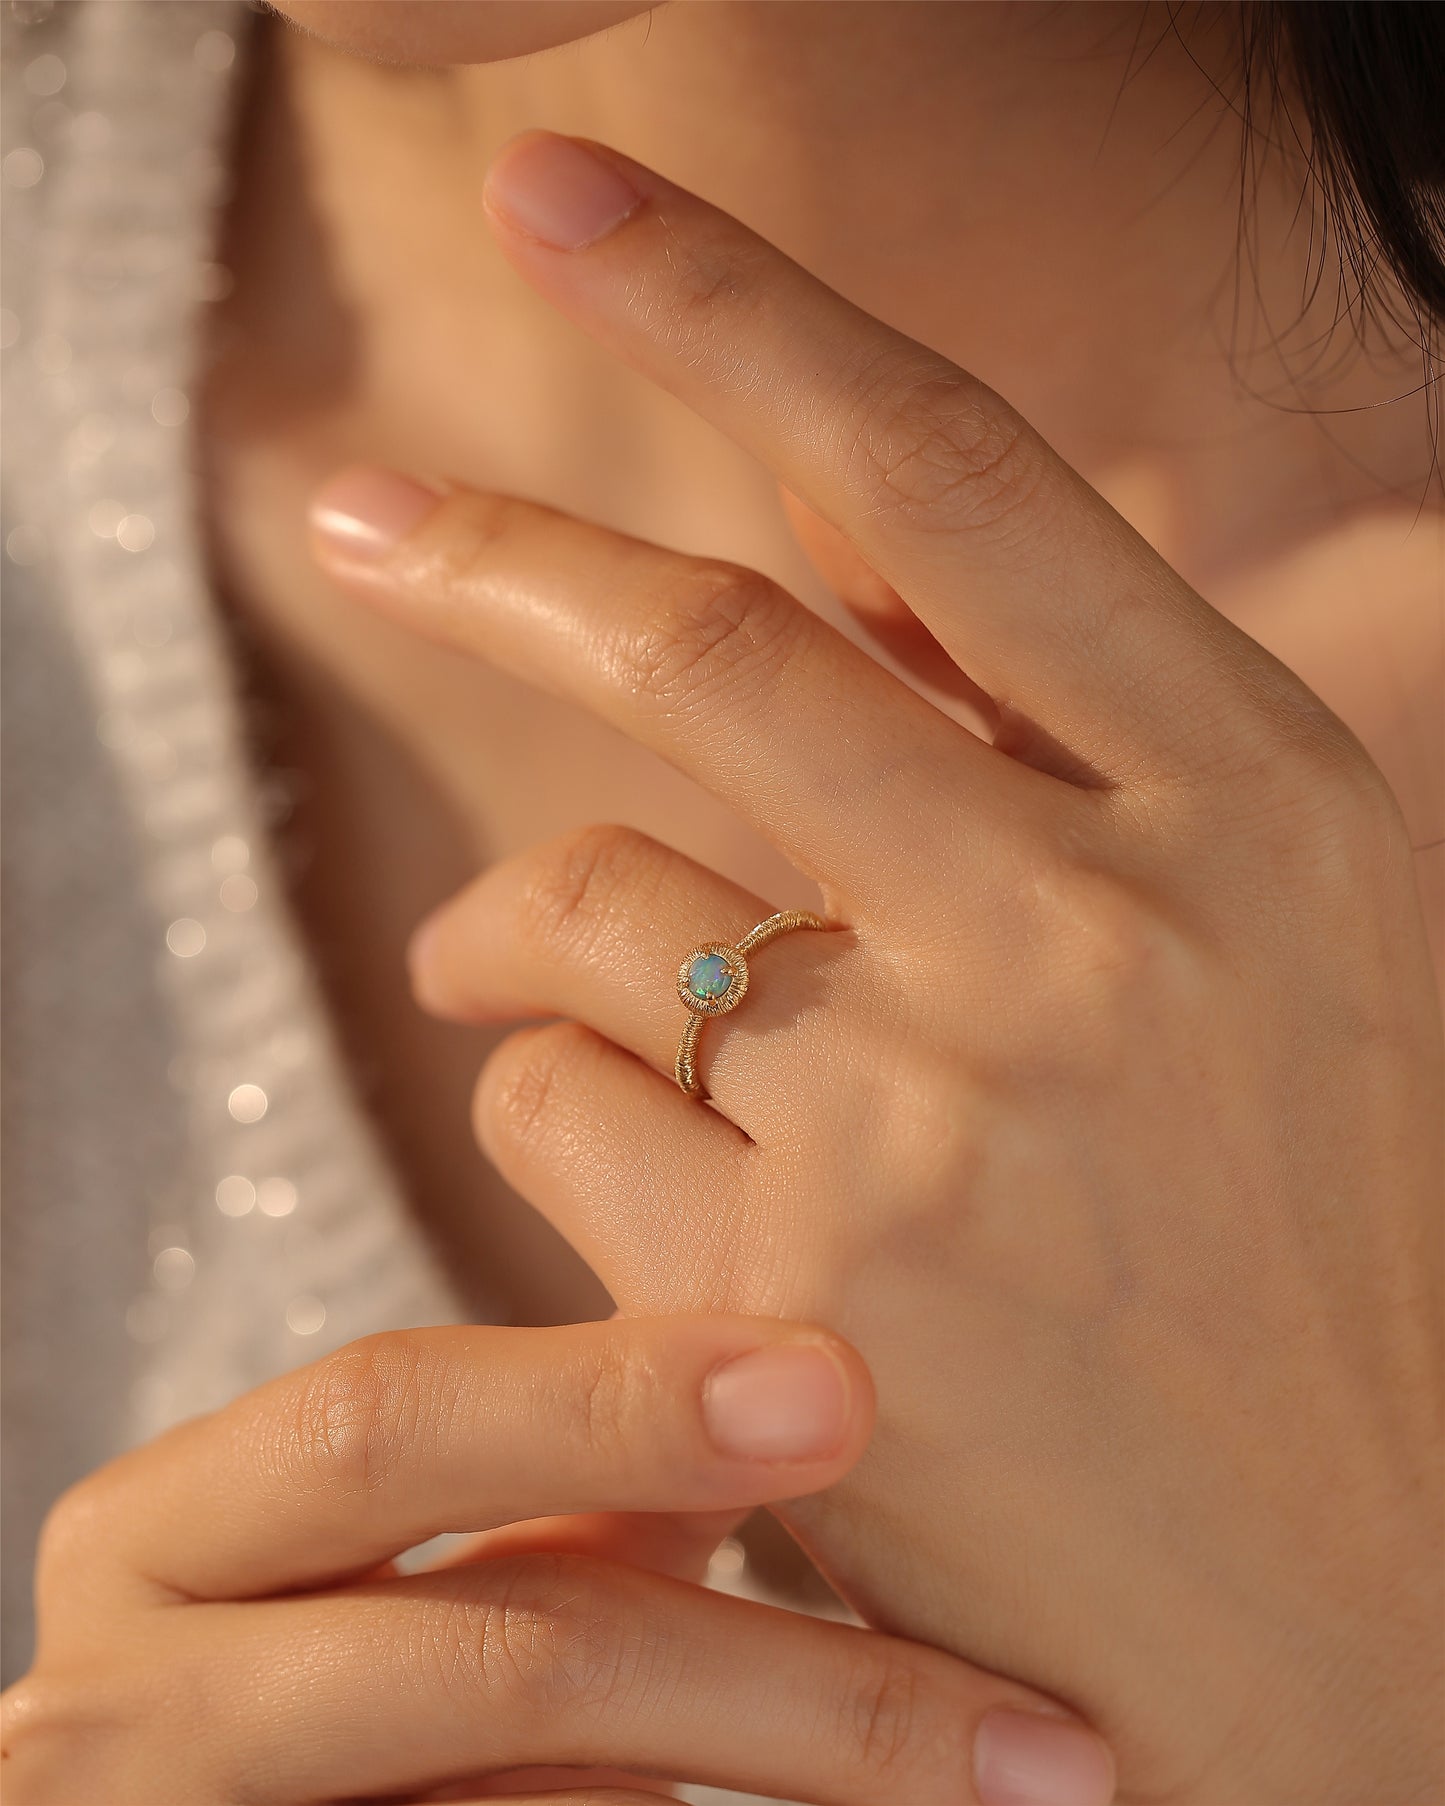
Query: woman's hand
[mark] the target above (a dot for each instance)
(1108, 1123)
(221, 1619)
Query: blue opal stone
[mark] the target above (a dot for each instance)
(709, 975)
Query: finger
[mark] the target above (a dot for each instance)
(626, 1166)
(630, 1171)
(405, 1435)
(679, 1543)
(890, 622)
(574, 1792)
(594, 926)
(565, 1787)
(1033, 583)
(439, 1677)
(590, 925)
(710, 665)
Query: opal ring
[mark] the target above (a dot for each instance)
(713, 979)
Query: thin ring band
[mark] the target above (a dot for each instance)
(713, 979)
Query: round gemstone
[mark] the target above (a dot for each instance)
(709, 975)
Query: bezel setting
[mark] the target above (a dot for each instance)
(731, 997)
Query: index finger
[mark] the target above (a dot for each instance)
(334, 1469)
(1022, 571)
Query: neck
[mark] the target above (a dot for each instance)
(1049, 195)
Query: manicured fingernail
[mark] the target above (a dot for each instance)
(791, 1402)
(1030, 1759)
(559, 191)
(363, 512)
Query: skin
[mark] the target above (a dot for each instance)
(1111, 1197)
(441, 31)
(374, 318)
(1017, 1327)
(224, 1620)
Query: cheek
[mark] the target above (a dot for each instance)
(429, 32)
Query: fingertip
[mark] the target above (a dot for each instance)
(560, 192)
(1023, 1758)
(739, 1411)
(437, 961)
(803, 1402)
(424, 966)
(361, 512)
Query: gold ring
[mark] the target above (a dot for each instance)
(713, 979)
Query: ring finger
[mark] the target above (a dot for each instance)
(592, 926)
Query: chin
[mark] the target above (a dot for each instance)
(431, 32)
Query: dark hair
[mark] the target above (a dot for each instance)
(1369, 78)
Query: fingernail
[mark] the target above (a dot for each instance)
(1029, 1759)
(787, 1403)
(363, 512)
(559, 191)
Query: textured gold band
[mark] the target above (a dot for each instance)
(713, 979)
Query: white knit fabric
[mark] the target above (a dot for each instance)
(153, 973)
(155, 984)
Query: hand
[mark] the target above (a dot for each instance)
(220, 1618)
(1106, 1124)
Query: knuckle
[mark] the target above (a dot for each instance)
(1118, 933)
(514, 1108)
(1375, 833)
(63, 1740)
(883, 1706)
(1308, 797)
(571, 893)
(616, 1392)
(720, 645)
(77, 1524)
(470, 525)
(901, 1726)
(717, 281)
(1345, 822)
(941, 451)
(1290, 742)
(539, 1633)
(358, 1414)
(1113, 953)
(41, 1734)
